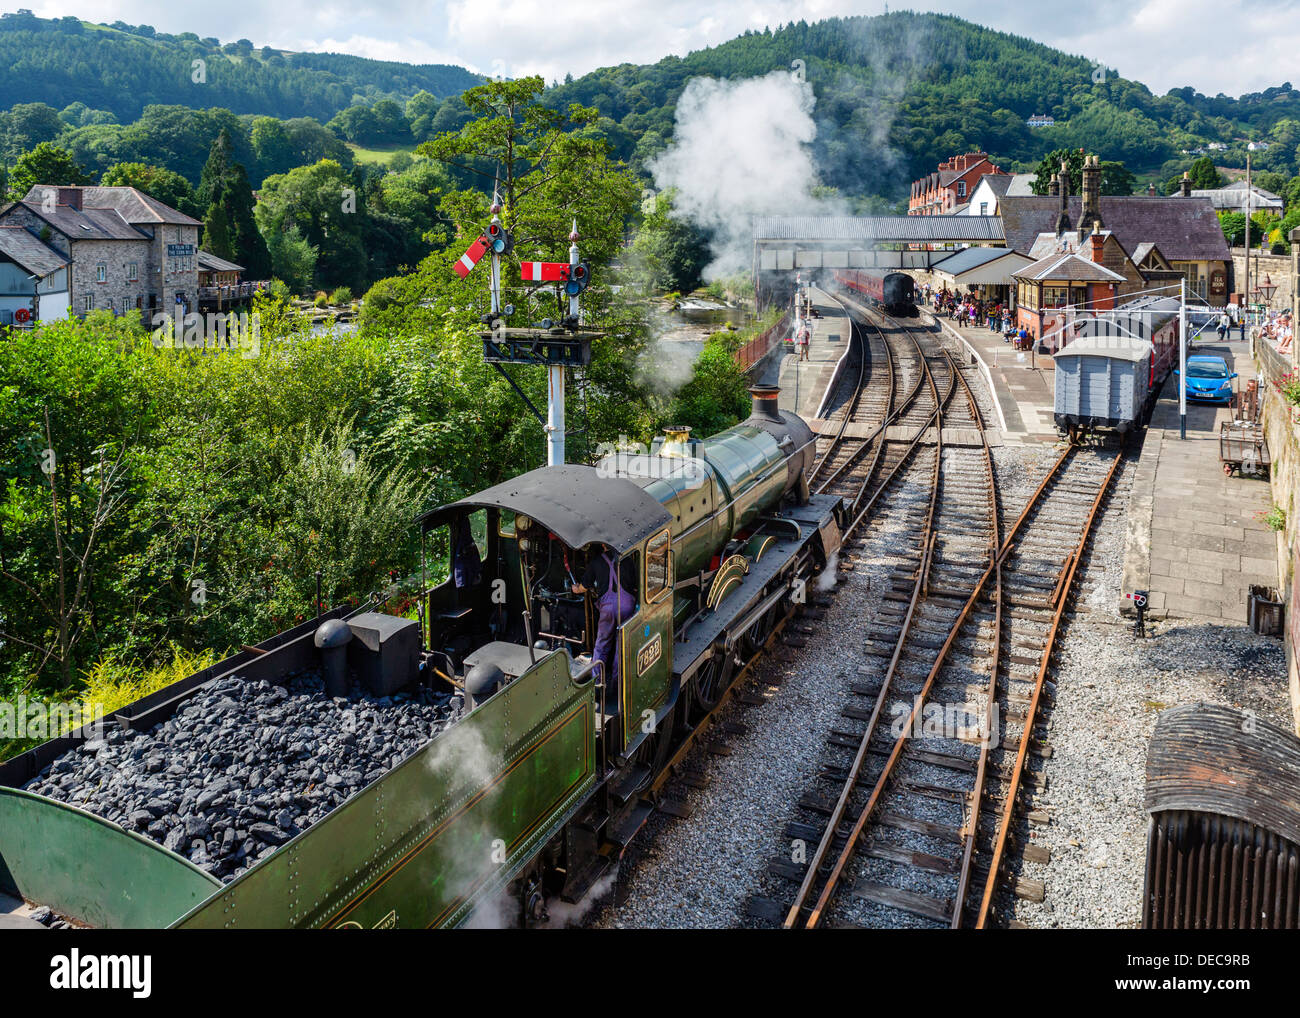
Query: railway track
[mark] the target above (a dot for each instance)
(914, 813)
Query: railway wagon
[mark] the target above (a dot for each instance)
(1109, 375)
(544, 768)
(893, 292)
(1223, 842)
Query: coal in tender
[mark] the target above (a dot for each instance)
(242, 767)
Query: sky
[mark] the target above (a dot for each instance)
(1213, 45)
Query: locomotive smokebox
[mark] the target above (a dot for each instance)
(765, 401)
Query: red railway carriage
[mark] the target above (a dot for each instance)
(893, 292)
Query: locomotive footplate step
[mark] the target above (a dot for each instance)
(578, 884)
(623, 828)
(629, 782)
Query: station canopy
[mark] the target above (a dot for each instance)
(975, 266)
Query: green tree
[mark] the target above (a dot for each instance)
(228, 197)
(45, 164)
(670, 253)
(1115, 177)
(322, 202)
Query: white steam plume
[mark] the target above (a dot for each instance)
(740, 149)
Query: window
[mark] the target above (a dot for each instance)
(658, 567)
(88, 303)
(132, 271)
(984, 208)
(101, 273)
(961, 189)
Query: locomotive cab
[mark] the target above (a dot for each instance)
(512, 558)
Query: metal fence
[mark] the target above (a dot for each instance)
(759, 347)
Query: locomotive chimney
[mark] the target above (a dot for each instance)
(676, 441)
(765, 401)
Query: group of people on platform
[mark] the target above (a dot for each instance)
(1278, 330)
(971, 311)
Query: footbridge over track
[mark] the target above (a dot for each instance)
(784, 245)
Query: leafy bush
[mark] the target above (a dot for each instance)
(342, 295)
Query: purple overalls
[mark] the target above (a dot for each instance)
(616, 607)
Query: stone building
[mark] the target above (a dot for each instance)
(120, 250)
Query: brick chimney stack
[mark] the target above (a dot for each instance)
(71, 197)
(1185, 185)
(1151, 190)
(1063, 190)
(1098, 244)
(1091, 215)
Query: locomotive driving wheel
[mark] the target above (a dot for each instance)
(709, 685)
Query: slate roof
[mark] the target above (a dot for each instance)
(28, 251)
(85, 224)
(1185, 229)
(131, 205)
(884, 229)
(1068, 266)
(969, 258)
(998, 182)
(211, 263)
(1233, 196)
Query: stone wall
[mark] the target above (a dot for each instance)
(116, 256)
(1282, 432)
(1276, 267)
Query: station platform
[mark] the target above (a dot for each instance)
(804, 384)
(1193, 537)
(1022, 383)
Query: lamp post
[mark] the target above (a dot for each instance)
(1182, 358)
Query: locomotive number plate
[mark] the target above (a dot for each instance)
(649, 653)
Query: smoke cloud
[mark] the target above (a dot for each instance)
(740, 149)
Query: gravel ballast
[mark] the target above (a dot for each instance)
(243, 767)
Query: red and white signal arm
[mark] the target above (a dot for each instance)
(471, 257)
(1139, 597)
(543, 272)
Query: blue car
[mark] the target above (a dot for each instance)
(1209, 379)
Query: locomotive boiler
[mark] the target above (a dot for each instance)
(547, 766)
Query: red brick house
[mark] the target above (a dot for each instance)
(949, 187)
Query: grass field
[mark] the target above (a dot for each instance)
(383, 155)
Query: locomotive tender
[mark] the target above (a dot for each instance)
(893, 292)
(535, 790)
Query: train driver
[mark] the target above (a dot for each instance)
(616, 603)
